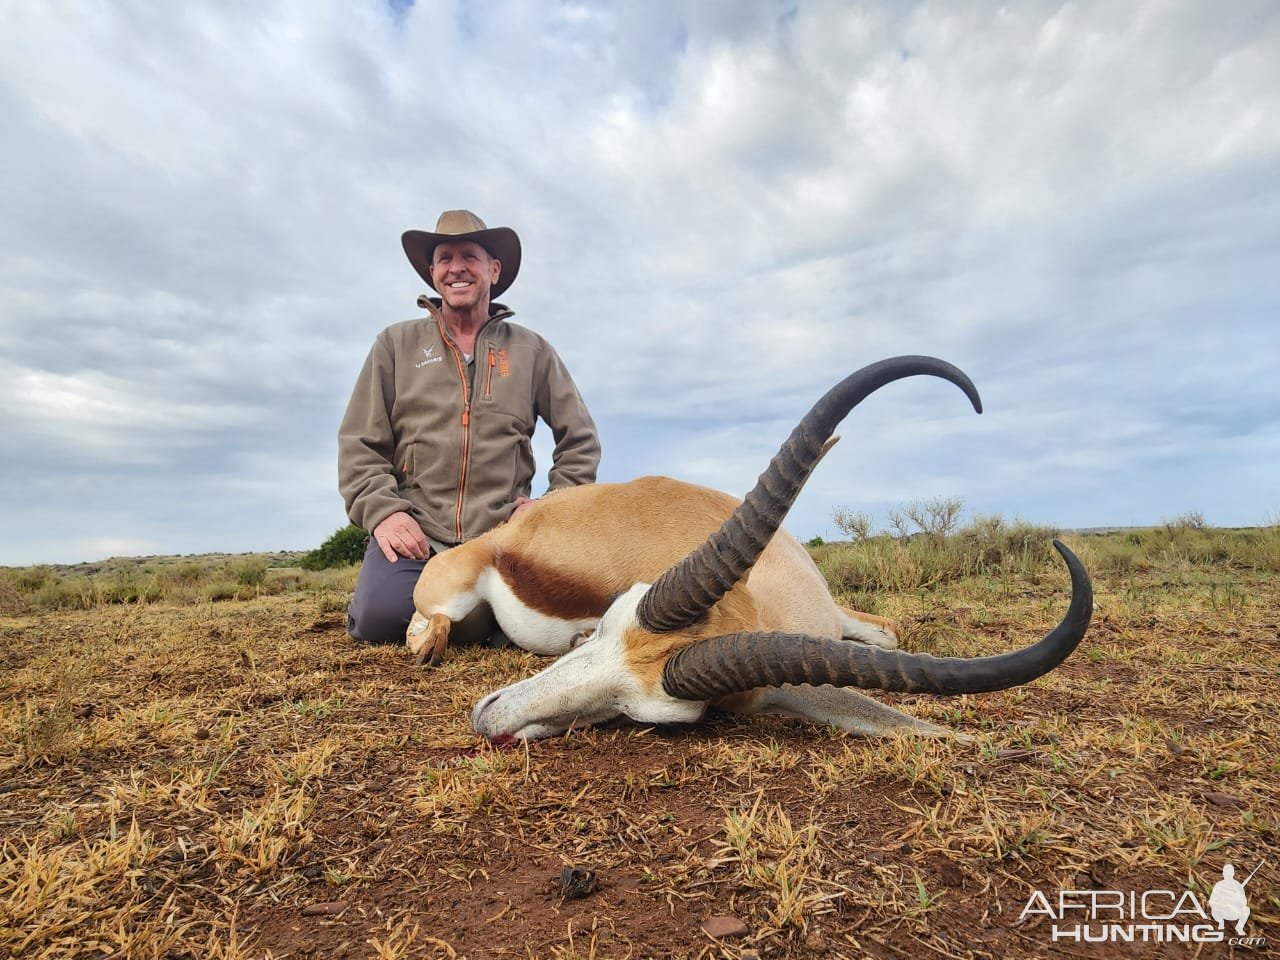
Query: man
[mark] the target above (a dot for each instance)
(1227, 899)
(435, 448)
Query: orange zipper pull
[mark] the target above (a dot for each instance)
(466, 415)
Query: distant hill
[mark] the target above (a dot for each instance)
(278, 558)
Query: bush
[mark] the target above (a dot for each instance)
(1193, 520)
(345, 548)
(249, 573)
(934, 518)
(855, 526)
(187, 574)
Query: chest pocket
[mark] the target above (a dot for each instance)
(490, 367)
(503, 384)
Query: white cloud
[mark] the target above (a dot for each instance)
(724, 210)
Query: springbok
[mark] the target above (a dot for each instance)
(743, 622)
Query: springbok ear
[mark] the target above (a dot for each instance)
(579, 638)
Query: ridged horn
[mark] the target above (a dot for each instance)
(690, 588)
(718, 666)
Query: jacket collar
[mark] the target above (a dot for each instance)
(497, 311)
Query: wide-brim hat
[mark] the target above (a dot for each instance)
(501, 242)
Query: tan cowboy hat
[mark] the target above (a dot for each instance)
(501, 242)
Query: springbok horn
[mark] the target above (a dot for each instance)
(718, 666)
(690, 588)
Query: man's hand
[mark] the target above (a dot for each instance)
(522, 504)
(400, 536)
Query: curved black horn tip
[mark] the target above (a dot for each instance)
(970, 391)
(948, 371)
(1081, 609)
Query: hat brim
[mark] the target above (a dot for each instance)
(501, 242)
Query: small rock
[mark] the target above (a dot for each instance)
(201, 733)
(723, 928)
(950, 874)
(578, 882)
(1015, 754)
(1100, 873)
(84, 712)
(1223, 799)
(332, 908)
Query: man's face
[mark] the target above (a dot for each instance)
(464, 272)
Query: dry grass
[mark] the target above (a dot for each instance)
(185, 778)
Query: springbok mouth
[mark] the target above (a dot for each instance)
(503, 741)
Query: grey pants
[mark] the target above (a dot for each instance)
(382, 605)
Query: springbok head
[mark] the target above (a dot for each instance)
(659, 656)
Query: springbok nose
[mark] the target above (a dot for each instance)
(484, 705)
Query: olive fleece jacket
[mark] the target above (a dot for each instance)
(419, 436)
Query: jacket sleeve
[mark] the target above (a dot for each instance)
(367, 444)
(577, 452)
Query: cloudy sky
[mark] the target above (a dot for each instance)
(725, 207)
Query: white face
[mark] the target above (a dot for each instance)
(588, 685)
(464, 272)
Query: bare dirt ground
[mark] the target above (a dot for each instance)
(237, 779)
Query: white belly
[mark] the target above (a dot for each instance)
(525, 627)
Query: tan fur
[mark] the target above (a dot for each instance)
(647, 653)
(456, 574)
(882, 622)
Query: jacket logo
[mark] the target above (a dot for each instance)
(503, 369)
(429, 353)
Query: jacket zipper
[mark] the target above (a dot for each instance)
(488, 382)
(460, 364)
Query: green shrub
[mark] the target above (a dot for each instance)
(38, 588)
(249, 573)
(220, 590)
(345, 548)
(127, 586)
(32, 579)
(185, 574)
